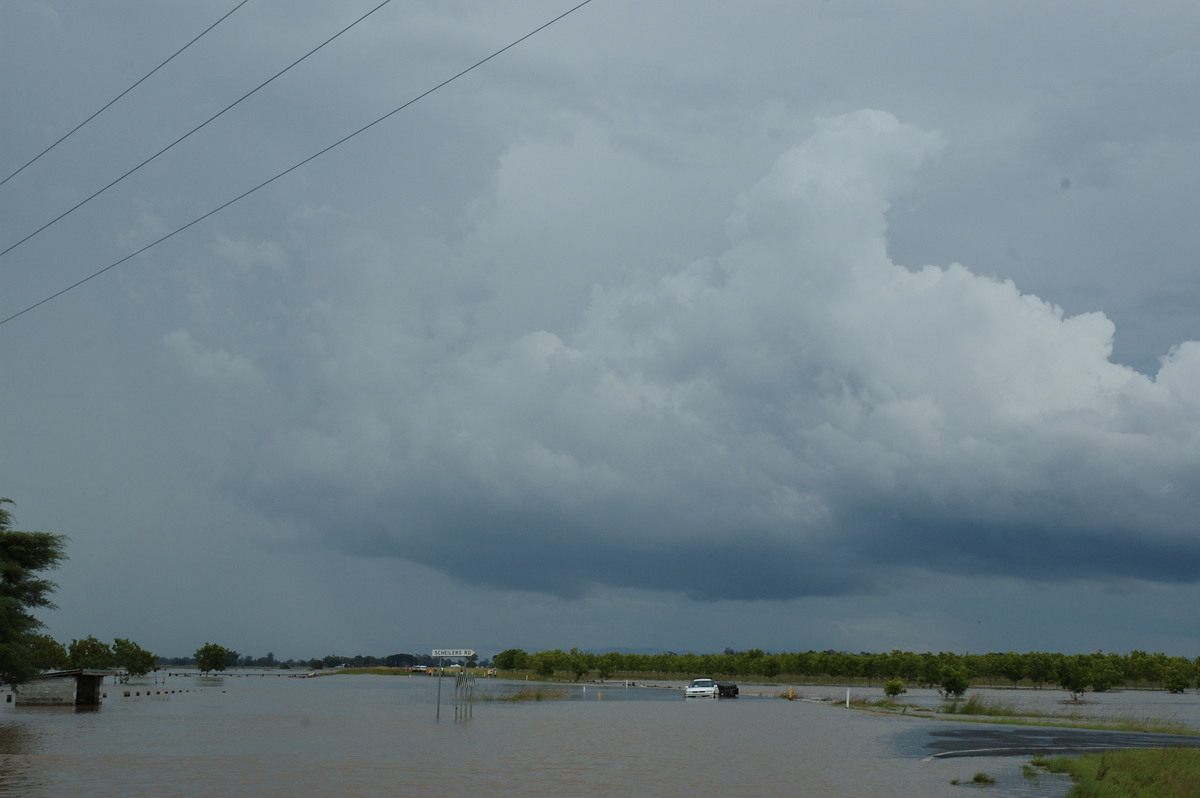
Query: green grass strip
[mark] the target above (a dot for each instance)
(1141, 773)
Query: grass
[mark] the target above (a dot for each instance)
(525, 694)
(1141, 773)
(980, 778)
(1008, 712)
(978, 710)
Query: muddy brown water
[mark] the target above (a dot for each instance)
(350, 735)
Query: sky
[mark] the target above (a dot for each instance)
(849, 324)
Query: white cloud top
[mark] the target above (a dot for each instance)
(799, 404)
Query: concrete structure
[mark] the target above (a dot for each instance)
(77, 688)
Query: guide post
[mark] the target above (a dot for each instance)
(447, 652)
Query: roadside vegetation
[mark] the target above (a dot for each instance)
(524, 694)
(1141, 773)
(952, 674)
(1010, 713)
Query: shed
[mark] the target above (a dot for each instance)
(74, 688)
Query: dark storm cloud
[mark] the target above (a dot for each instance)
(639, 314)
(797, 416)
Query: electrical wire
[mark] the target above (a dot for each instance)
(295, 166)
(70, 132)
(197, 128)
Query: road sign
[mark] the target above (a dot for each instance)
(453, 652)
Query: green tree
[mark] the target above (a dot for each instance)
(1074, 674)
(136, 660)
(48, 654)
(212, 657)
(1105, 671)
(511, 659)
(90, 653)
(23, 555)
(954, 681)
(1177, 676)
(580, 663)
(607, 664)
(547, 663)
(893, 687)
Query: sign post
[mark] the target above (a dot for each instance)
(447, 652)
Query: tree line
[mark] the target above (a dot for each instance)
(47, 654)
(953, 673)
(228, 658)
(24, 651)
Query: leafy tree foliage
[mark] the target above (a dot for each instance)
(90, 653)
(511, 659)
(954, 682)
(212, 657)
(23, 555)
(546, 663)
(1177, 678)
(136, 660)
(893, 687)
(951, 673)
(1074, 675)
(579, 663)
(47, 653)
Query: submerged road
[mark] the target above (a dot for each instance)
(1030, 741)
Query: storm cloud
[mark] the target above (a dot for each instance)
(795, 415)
(835, 324)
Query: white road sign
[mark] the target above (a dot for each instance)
(453, 652)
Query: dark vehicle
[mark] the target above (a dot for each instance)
(727, 690)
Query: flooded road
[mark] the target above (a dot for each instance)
(379, 735)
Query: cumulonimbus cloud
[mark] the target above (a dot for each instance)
(797, 415)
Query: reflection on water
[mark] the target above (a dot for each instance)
(377, 735)
(18, 747)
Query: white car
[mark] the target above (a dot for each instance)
(702, 688)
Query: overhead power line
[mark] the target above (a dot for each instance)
(106, 106)
(197, 128)
(296, 166)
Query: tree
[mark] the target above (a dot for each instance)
(893, 687)
(579, 663)
(954, 681)
(47, 653)
(136, 660)
(606, 664)
(545, 663)
(1074, 675)
(23, 555)
(212, 657)
(511, 659)
(1177, 675)
(90, 653)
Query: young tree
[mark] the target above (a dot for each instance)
(1074, 675)
(23, 555)
(48, 653)
(579, 663)
(90, 653)
(212, 657)
(954, 681)
(511, 659)
(1177, 675)
(136, 660)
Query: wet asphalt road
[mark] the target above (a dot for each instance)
(1030, 741)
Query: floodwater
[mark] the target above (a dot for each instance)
(266, 735)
